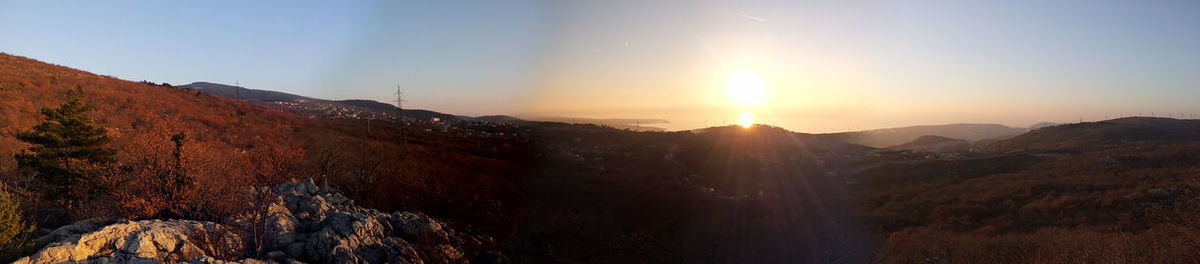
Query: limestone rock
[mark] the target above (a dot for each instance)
(305, 223)
(149, 241)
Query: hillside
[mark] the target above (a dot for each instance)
(719, 195)
(351, 108)
(1041, 125)
(880, 138)
(1081, 136)
(135, 113)
(417, 114)
(934, 144)
(1121, 189)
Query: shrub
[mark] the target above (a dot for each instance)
(14, 231)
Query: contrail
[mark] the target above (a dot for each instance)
(759, 19)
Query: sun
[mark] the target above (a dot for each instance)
(747, 119)
(746, 88)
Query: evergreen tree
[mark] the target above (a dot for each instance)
(66, 149)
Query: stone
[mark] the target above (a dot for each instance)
(304, 223)
(149, 241)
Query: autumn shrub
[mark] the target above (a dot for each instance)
(1161, 244)
(140, 120)
(166, 173)
(15, 234)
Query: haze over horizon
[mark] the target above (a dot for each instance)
(812, 66)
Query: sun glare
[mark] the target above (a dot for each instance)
(747, 119)
(746, 88)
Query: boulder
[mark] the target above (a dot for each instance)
(331, 229)
(304, 223)
(149, 241)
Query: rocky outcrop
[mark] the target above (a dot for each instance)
(303, 223)
(319, 225)
(149, 241)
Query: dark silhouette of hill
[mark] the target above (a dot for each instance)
(670, 195)
(252, 95)
(369, 104)
(810, 142)
(935, 144)
(500, 119)
(307, 105)
(894, 136)
(418, 114)
(1080, 136)
(1043, 125)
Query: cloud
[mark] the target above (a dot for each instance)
(759, 19)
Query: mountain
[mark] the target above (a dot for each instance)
(417, 114)
(369, 104)
(895, 136)
(935, 144)
(1086, 135)
(1043, 125)
(237, 92)
(352, 108)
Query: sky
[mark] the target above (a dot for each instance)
(819, 66)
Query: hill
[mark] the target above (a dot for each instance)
(1043, 125)
(1081, 136)
(134, 113)
(1055, 193)
(935, 144)
(238, 92)
(772, 184)
(417, 114)
(351, 108)
(500, 119)
(894, 136)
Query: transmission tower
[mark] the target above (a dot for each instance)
(400, 107)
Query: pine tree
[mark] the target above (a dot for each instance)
(67, 148)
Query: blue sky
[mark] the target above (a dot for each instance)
(830, 65)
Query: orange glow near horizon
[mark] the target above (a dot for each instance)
(747, 119)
